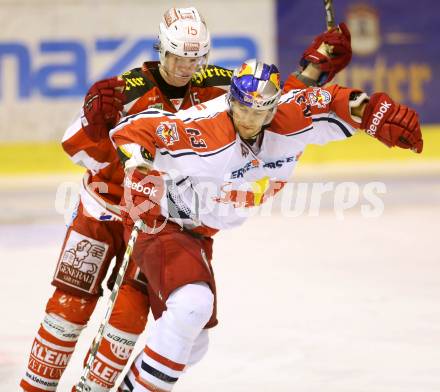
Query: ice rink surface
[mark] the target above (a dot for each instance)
(306, 303)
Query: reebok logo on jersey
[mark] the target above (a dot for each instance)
(377, 117)
(146, 190)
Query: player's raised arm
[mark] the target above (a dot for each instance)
(320, 115)
(329, 53)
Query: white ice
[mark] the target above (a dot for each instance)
(306, 304)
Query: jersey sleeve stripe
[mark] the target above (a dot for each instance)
(144, 114)
(189, 152)
(288, 96)
(190, 119)
(299, 132)
(341, 126)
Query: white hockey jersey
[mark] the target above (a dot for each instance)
(214, 179)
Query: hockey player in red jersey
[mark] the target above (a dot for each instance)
(179, 80)
(206, 169)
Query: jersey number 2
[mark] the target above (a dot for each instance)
(194, 134)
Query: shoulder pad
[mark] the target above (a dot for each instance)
(136, 84)
(212, 76)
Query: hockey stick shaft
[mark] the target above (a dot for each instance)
(329, 14)
(82, 384)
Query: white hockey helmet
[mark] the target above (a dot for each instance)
(183, 33)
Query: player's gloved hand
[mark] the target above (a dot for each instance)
(102, 106)
(141, 199)
(393, 124)
(338, 40)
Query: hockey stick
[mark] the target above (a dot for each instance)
(329, 21)
(82, 384)
(329, 14)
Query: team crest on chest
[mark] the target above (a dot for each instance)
(320, 98)
(167, 131)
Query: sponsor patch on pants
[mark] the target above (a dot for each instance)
(81, 261)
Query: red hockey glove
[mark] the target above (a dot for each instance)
(141, 199)
(102, 105)
(393, 124)
(340, 39)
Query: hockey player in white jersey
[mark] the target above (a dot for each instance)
(204, 169)
(94, 237)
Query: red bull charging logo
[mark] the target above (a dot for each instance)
(320, 98)
(167, 131)
(257, 193)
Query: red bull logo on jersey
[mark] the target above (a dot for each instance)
(167, 131)
(320, 98)
(254, 194)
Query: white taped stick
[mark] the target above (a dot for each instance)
(329, 14)
(82, 384)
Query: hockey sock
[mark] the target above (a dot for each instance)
(171, 338)
(51, 351)
(199, 349)
(66, 316)
(127, 321)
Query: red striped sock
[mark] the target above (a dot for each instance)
(157, 371)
